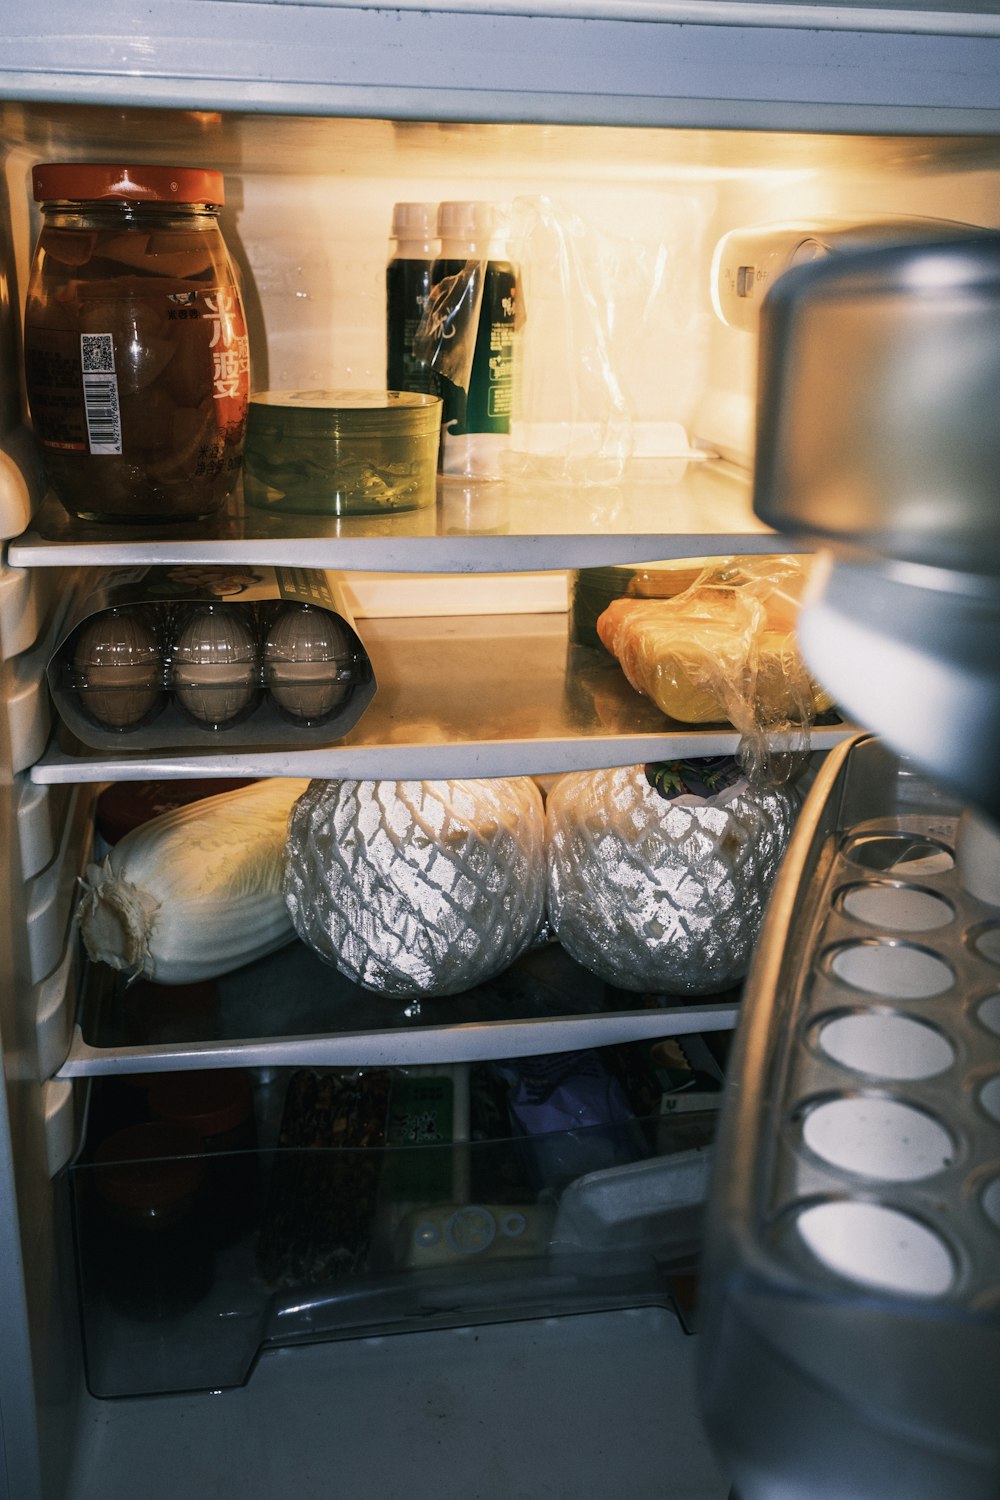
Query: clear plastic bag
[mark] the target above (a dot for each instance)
(611, 346)
(611, 358)
(445, 339)
(724, 649)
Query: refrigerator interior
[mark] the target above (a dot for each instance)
(473, 682)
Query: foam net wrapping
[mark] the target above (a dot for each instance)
(417, 888)
(725, 649)
(660, 895)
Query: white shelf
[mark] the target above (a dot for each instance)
(760, 66)
(483, 695)
(405, 1046)
(292, 1010)
(699, 509)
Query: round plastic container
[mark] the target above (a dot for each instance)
(135, 344)
(214, 667)
(342, 453)
(308, 661)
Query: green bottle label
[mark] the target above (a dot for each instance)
(407, 283)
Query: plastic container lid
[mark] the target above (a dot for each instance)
(79, 182)
(353, 413)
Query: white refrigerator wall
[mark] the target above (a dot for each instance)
(614, 230)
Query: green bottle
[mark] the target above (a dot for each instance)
(407, 284)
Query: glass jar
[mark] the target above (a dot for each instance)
(135, 344)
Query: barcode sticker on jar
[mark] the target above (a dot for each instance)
(100, 392)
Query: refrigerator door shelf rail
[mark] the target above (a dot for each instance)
(40, 814)
(855, 1192)
(25, 607)
(62, 1110)
(54, 1006)
(51, 896)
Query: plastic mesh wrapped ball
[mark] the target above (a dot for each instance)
(659, 895)
(417, 888)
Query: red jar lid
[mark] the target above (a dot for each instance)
(84, 181)
(211, 1101)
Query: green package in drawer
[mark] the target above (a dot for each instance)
(421, 1114)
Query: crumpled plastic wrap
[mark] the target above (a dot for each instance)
(599, 399)
(725, 649)
(662, 895)
(417, 888)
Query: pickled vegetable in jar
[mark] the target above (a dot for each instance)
(135, 343)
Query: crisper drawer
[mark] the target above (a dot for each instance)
(221, 1213)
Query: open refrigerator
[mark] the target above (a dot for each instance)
(651, 132)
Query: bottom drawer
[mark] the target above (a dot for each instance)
(222, 1213)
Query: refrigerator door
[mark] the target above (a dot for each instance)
(851, 1343)
(878, 438)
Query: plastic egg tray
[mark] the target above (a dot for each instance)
(854, 1243)
(149, 675)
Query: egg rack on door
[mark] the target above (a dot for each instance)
(854, 1254)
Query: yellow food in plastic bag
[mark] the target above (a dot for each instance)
(723, 649)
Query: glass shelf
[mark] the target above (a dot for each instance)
(291, 1009)
(475, 695)
(690, 509)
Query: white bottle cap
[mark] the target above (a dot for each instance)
(475, 225)
(414, 221)
(471, 221)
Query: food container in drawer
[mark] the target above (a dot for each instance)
(368, 1201)
(851, 1286)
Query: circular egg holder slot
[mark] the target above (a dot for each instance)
(189, 672)
(886, 1172)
